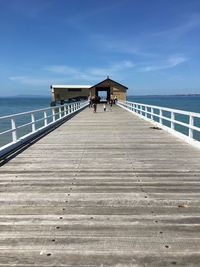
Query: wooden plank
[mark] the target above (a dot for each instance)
(103, 189)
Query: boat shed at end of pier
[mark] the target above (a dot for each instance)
(110, 87)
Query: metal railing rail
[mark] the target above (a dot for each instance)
(156, 115)
(49, 118)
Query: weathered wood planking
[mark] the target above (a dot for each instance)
(102, 190)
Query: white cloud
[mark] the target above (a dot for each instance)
(90, 73)
(68, 74)
(34, 81)
(78, 19)
(62, 69)
(111, 70)
(180, 30)
(176, 60)
(171, 62)
(131, 46)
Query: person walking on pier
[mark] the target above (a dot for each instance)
(104, 107)
(94, 104)
(95, 107)
(90, 101)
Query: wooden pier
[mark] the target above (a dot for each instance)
(103, 189)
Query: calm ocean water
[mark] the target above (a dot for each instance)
(188, 103)
(10, 106)
(15, 105)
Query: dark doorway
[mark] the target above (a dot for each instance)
(103, 93)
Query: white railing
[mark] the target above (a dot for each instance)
(183, 124)
(22, 127)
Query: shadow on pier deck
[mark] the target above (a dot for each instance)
(103, 189)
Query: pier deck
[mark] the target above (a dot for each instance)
(103, 189)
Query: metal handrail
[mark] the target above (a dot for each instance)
(182, 112)
(57, 114)
(150, 112)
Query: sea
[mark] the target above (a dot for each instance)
(14, 105)
(182, 102)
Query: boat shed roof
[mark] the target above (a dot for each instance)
(110, 81)
(70, 86)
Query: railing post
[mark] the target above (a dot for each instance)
(146, 110)
(14, 132)
(54, 115)
(160, 118)
(65, 110)
(143, 111)
(172, 118)
(45, 118)
(33, 122)
(191, 123)
(60, 114)
(152, 114)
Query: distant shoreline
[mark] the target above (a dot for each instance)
(27, 96)
(49, 97)
(163, 95)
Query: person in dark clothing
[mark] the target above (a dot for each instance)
(95, 107)
(94, 104)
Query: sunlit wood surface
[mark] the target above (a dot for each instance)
(103, 189)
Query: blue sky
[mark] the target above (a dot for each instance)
(151, 46)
